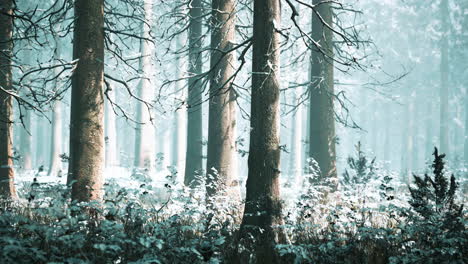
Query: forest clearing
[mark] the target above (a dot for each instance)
(233, 131)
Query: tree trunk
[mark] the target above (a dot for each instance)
(466, 125)
(407, 138)
(295, 162)
(25, 144)
(415, 133)
(126, 147)
(111, 133)
(444, 141)
(429, 127)
(26, 141)
(457, 143)
(56, 135)
(145, 153)
(7, 186)
(175, 140)
(262, 213)
(464, 187)
(322, 122)
(387, 155)
(284, 132)
(40, 144)
(56, 140)
(194, 154)
(222, 114)
(177, 152)
(374, 127)
(87, 102)
(363, 119)
(305, 121)
(161, 139)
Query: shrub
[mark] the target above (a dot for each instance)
(436, 232)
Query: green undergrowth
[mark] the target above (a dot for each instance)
(366, 221)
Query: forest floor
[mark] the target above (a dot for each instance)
(155, 219)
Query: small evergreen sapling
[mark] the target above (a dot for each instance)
(362, 169)
(437, 229)
(433, 198)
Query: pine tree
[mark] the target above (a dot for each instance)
(434, 198)
(363, 169)
(437, 230)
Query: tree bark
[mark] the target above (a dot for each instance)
(444, 141)
(262, 213)
(222, 112)
(194, 154)
(87, 102)
(7, 186)
(322, 122)
(145, 152)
